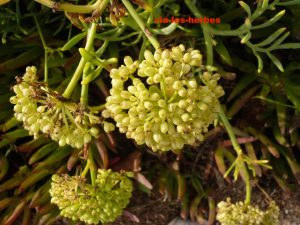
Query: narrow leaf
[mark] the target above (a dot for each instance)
(271, 38)
(259, 61)
(275, 61)
(242, 101)
(251, 153)
(265, 4)
(288, 46)
(279, 41)
(246, 7)
(270, 21)
(293, 2)
(73, 41)
(291, 84)
(166, 30)
(220, 161)
(223, 52)
(194, 206)
(244, 82)
(264, 140)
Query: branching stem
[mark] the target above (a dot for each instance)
(78, 72)
(237, 148)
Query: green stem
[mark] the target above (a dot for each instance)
(92, 167)
(209, 47)
(97, 108)
(86, 169)
(70, 7)
(77, 74)
(230, 132)
(237, 148)
(85, 87)
(143, 48)
(248, 186)
(45, 50)
(141, 24)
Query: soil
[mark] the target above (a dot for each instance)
(149, 210)
(154, 211)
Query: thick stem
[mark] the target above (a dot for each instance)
(141, 24)
(70, 7)
(77, 74)
(84, 87)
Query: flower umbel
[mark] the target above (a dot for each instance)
(103, 202)
(162, 102)
(245, 214)
(43, 110)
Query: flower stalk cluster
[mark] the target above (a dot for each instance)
(161, 102)
(246, 214)
(44, 111)
(102, 202)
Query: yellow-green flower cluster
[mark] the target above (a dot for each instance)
(245, 214)
(103, 202)
(44, 111)
(166, 101)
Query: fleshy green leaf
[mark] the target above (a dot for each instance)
(271, 38)
(279, 41)
(245, 7)
(288, 46)
(270, 21)
(259, 61)
(276, 61)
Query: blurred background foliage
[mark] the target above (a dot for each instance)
(259, 65)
